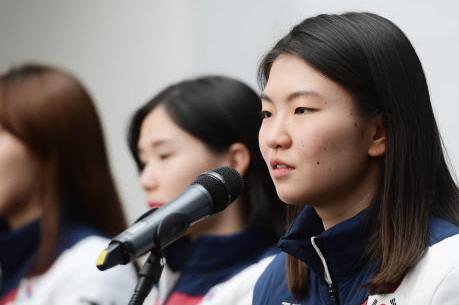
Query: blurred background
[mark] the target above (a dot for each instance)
(125, 51)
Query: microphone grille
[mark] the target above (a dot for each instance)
(224, 184)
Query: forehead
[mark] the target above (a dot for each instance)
(157, 124)
(290, 74)
(159, 130)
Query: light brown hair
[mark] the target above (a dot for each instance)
(53, 115)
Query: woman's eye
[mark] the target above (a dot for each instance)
(265, 114)
(164, 156)
(302, 110)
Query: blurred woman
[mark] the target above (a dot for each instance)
(189, 128)
(58, 201)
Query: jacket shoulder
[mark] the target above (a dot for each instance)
(271, 287)
(73, 278)
(238, 290)
(434, 278)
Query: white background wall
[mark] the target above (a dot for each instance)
(125, 51)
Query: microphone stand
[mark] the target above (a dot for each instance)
(149, 275)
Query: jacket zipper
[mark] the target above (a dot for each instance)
(332, 292)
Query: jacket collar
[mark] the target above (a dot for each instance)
(343, 246)
(18, 250)
(210, 252)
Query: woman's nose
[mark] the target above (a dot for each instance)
(279, 137)
(148, 179)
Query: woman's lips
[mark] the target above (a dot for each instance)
(155, 205)
(280, 169)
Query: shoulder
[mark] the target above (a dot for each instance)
(238, 290)
(74, 278)
(83, 252)
(274, 272)
(446, 292)
(440, 258)
(434, 278)
(81, 258)
(272, 284)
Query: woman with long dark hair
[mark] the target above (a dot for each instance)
(58, 201)
(352, 145)
(188, 128)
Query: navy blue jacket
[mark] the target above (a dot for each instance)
(335, 258)
(211, 260)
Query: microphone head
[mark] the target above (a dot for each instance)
(224, 184)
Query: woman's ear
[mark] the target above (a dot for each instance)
(377, 146)
(239, 157)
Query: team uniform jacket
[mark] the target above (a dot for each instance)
(72, 278)
(338, 270)
(218, 270)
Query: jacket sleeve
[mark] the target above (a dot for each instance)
(447, 291)
(262, 286)
(271, 288)
(239, 289)
(74, 279)
(112, 287)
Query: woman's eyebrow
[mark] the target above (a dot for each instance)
(292, 96)
(154, 144)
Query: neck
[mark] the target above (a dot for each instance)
(346, 204)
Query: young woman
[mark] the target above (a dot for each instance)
(57, 196)
(189, 128)
(349, 130)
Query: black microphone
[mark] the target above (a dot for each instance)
(210, 193)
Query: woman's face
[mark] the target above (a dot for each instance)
(171, 158)
(312, 139)
(18, 181)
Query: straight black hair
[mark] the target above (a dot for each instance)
(373, 59)
(221, 111)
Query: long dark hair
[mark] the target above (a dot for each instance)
(53, 115)
(221, 111)
(372, 58)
